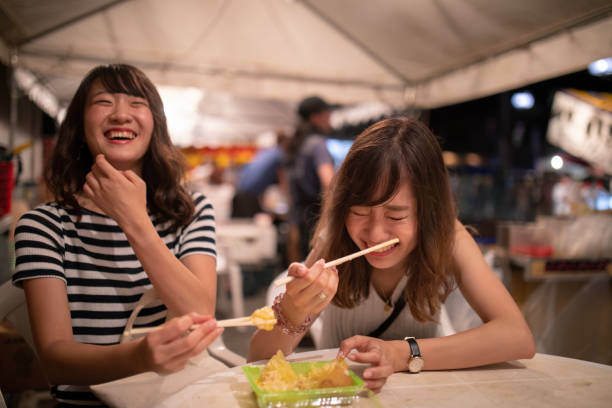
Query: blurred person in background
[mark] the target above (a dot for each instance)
(311, 169)
(264, 170)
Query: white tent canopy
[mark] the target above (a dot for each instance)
(404, 53)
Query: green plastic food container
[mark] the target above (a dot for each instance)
(338, 396)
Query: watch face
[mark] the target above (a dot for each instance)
(415, 364)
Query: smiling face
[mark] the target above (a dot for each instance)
(395, 218)
(119, 126)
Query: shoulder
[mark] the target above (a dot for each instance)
(203, 208)
(464, 245)
(46, 222)
(200, 201)
(45, 214)
(468, 260)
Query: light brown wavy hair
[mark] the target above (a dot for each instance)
(385, 155)
(163, 165)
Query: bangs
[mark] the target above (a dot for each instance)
(116, 79)
(376, 180)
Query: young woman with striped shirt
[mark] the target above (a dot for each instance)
(121, 223)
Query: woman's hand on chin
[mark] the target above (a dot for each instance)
(121, 195)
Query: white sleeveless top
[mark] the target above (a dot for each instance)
(339, 324)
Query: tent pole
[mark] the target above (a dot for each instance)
(13, 58)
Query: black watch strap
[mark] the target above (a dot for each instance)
(414, 346)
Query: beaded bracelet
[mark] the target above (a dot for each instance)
(284, 324)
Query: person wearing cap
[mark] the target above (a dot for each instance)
(310, 168)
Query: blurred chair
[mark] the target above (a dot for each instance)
(242, 242)
(218, 350)
(572, 323)
(226, 265)
(248, 242)
(14, 309)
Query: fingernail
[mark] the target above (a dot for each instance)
(321, 261)
(367, 374)
(210, 324)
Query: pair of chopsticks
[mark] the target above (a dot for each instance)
(287, 279)
(238, 321)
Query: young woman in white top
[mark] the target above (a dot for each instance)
(393, 184)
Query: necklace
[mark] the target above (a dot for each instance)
(388, 305)
(386, 299)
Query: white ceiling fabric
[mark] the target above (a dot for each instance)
(404, 53)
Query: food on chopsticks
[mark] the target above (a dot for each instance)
(277, 375)
(263, 318)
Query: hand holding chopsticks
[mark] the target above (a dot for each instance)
(287, 279)
(263, 318)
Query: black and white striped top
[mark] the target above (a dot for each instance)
(104, 279)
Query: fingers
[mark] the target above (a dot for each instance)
(190, 343)
(103, 169)
(100, 170)
(351, 343)
(92, 181)
(376, 376)
(88, 191)
(172, 329)
(372, 356)
(329, 285)
(132, 177)
(375, 384)
(369, 351)
(199, 339)
(171, 347)
(298, 270)
(103, 166)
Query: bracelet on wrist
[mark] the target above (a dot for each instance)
(286, 326)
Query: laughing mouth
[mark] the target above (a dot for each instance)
(120, 135)
(385, 249)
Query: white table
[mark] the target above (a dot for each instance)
(544, 381)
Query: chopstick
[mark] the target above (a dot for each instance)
(238, 321)
(287, 279)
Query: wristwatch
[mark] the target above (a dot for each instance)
(416, 362)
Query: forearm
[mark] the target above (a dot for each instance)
(264, 344)
(69, 362)
(178, 287)
(492, 342)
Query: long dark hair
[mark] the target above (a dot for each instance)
(384, 156)
(163, 165)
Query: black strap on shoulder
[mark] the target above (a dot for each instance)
(397, 309)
